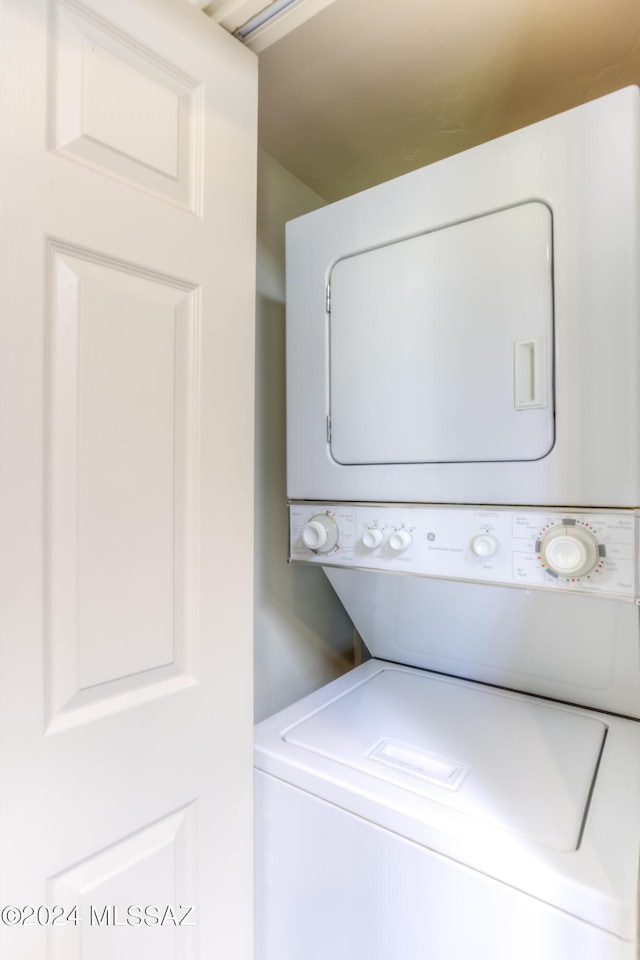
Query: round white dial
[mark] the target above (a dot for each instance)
(400, 540)
(320, 533)
(566, 555)
(484, 545)
(569, 551)
(372, 538)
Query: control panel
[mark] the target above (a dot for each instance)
(571, 550)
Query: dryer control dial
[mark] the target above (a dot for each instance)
(320, 533)
(400, 540)
(372, 538)
(484, 545)
(569, 550)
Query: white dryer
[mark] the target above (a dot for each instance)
(468, 333)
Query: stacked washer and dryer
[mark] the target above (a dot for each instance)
(463, 358)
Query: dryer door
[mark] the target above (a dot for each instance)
(442, 344)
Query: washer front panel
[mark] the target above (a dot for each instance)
(383, 897)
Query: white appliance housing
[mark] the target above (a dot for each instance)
(468, 333)
(464, 463)
(408, 814)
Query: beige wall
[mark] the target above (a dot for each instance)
(303, 637)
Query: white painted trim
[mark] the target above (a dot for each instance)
(287, 21)
(232, 14)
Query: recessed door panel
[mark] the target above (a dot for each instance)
(120, 481)
(100, 896)
(118, 108)
(442, 345)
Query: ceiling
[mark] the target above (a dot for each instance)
(366, 90)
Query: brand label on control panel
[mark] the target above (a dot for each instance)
(493, 545)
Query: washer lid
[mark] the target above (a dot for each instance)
(526, 766)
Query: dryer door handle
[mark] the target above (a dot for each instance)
(530, 379)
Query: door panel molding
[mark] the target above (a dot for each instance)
(120, 557)
(117, 107)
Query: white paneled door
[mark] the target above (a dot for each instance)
(126, 401)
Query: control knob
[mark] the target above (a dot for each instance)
(400, 540)
(569, 551)
(484, 545)
(372, 538)
(320, 533)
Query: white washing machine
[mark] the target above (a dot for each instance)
(422, 806)
(404, 814)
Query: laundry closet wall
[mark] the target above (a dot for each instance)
(303, 637)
